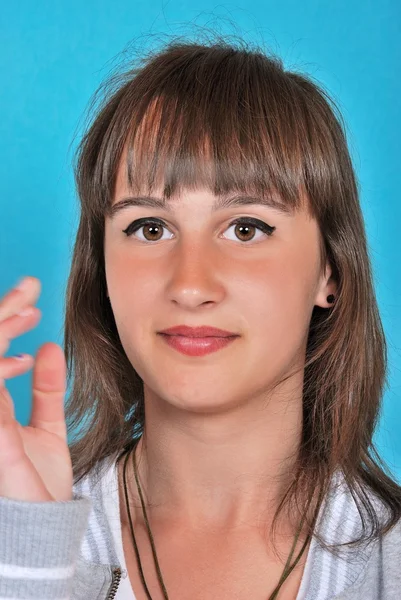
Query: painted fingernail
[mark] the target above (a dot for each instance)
(21, 356)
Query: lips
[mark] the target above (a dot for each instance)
(198, 332)
(197, 341)
(197, 346)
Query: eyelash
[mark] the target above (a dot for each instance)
(261, 225)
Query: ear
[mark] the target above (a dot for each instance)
(327, 286)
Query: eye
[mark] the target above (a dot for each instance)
(244, 226)
(152, 227)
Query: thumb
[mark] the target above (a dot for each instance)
(49, 388)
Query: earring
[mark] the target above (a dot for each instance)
(331, 298)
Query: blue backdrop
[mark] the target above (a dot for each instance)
(53, 54)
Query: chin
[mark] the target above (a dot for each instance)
(200, 405)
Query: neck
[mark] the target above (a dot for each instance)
(222, 471)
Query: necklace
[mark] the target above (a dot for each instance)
(286, 571)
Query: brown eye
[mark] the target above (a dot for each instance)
(245, 232)
(152, 229)
(244, 229)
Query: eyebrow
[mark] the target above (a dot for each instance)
(221, 203)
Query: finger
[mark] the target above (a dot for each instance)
(6, 403)
(11, 445)
(18, 324)
(16, 300)
(18, 478)
(49, 387)
(12, 366)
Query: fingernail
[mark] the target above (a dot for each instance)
(26, 312)
(21, 356)
(22, 285)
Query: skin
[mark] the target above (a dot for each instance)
(221, 436)
(220, 441)
(35, 463)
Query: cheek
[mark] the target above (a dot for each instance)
(132, 287)
(131, 277)
(278, 282)
(277, 299)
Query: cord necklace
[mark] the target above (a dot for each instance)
(286, 571)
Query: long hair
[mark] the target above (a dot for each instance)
(231, 117)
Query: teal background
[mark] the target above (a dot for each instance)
(53, 55)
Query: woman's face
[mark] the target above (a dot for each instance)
(200, 270)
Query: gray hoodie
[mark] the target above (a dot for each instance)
(42, 550)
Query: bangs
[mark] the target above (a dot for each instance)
(218, 118)
(178, 145)
(221, 122)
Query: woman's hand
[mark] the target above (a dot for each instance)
(35, 462)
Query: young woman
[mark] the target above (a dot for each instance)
(225, 350)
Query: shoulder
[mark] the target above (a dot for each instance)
(390, 546)
(381, 577)
(347, 570)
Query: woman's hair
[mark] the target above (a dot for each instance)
(227, 117)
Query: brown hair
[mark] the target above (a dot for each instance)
(230, 117)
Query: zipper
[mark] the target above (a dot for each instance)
(115, 582)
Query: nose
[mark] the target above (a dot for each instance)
(194, 277)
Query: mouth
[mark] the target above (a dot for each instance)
(197, 346)
(205, 331)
